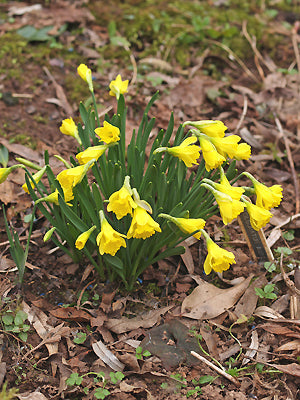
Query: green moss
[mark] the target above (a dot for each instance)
(25, 140)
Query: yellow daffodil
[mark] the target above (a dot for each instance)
(211, 157)
(225, 187)
(118, 87)
(229, 207)
(243, 152)
(4, 172)
(266, 197)
(93, 152)
(51, 198)
(70, 177)
(121, 202)
(226, 146)
(86, 74)
(209, 127)
(109, 240)
(108, 133)
(186, 151)
(83, 238)
(37, 177)
(187, 225)
(69, 128)
(259, 216)
(49, 234)
(142, 225)
(217, 259)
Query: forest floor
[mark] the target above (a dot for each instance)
(64, 333)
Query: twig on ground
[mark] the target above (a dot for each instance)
(297, 55)
(217, 369)
(291, 161)
(244, 112)
(235, 57)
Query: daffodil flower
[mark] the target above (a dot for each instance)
(243, 152)
(109, 240)
(266, 197)
(186, 151)
(108, 133)
(121, 202)
(86, 74)
(259, 216)
(37, 177)
(49, 234)
(93, 152)
(217, 259)
(83, 238)
(70, 177)
(187, 225)
(118, 87)
(142, 225)
(212, 158)
(51, 198)
(69, 128)
(225, 187)
(209, 127)
(4, 172)
(229, 207)
(226, 146)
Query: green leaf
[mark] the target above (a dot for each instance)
(7, 319)
(4, 156)
(101, 393)
(80, 338)
(35, 35)
(23, 336)
(20, 317)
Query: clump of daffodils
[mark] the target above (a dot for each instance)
(122, 214)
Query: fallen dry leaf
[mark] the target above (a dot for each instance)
(291, 369)
(31, 396)
(107, 356)
(146, 320)
(208, 301)
(71, 313)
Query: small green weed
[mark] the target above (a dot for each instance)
(139, 353)
(15, 322)
(267, 292)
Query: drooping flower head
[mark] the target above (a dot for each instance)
(217, 259)
(83, 238)
(266, 197)
(93, 152)
(69, 128)
(37, 177)
(121, 202)
(70, 177)
(109, 240)
(209, 127)
(108, 133)
(226, 146)
(259, 216)
(118, 87)
(4, 172)
(186, 151)
(243, 152)
(187, 225)
(225, 187)
(86, 74)
(229, 207)
(212, 158)
(142, 225)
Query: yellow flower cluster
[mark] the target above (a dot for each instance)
(215, 147)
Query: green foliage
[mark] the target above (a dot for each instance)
(15, 322)
(267, 292)
(4, 155)
(9, 394)
(140, 353)
(80, 338)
